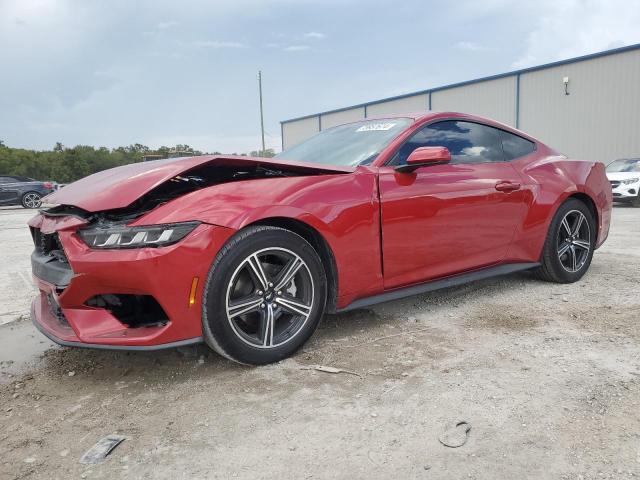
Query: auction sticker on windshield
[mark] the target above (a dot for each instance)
(375, 127)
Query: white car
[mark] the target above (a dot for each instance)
(624, 175)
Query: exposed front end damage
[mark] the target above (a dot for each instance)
(116, 270)
(122, 298)
(128, 293)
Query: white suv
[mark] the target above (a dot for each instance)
(624, 175)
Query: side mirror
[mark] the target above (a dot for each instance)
(425, 156)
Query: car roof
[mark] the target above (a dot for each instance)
(424, 117)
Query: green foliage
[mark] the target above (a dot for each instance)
(64, 165)
(268, 153)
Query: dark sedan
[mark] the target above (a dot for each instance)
(25, 191)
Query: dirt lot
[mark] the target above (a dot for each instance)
(547, 375)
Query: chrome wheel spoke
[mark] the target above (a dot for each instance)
(288, 272)
(243, 306)
(563, 249)
(566, 226)
(578, 224)
(574, 258)
(294, 306)
(583, 244)
(256, 267)
(268, 326)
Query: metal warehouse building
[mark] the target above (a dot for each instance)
(586, 107)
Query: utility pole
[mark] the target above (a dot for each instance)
(261, 113)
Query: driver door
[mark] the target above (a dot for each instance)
(446, 219)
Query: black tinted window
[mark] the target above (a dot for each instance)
(467, 142)
(515, 146)
(5, 180)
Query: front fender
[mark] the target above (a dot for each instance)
(342, 208)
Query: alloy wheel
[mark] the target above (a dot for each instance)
(32, 200)
(269, 298)
(574, 241)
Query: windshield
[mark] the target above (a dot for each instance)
(348, 145)
(624, 165)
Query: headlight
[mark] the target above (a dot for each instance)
(136, 237)
(629, 181)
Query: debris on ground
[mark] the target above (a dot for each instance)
(327, 369)
(455, 436)
(99, 452)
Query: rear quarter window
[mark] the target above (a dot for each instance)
(515, 146)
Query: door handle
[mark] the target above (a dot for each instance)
(507, 186)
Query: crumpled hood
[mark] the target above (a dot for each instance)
(119, 187)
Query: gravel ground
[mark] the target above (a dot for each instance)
(17, 289)
(548, 377)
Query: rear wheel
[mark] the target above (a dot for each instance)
(264, 296)
(31, 200)
(570, 242)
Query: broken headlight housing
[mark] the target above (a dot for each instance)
(121, 236)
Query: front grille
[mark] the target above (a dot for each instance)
(49, 261)
(615, 183)
(48, 244)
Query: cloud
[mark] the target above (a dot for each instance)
(297, 48)
(570, 28)
(216, 44)
(469, 46)
(316, 35)
(167, 24)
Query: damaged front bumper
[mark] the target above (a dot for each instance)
(134, 299)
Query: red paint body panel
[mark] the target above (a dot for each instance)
(342, 208)
(450, 218)
(385, 229)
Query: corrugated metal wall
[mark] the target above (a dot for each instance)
(414, 103)
(329, 120)
(295, 132)
(598, 120)
(494, 99)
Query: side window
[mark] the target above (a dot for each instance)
(467, 142)
(5, 180)
(515, 146)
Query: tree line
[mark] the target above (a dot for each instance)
(67, 164)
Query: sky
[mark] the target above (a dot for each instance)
(166, 72)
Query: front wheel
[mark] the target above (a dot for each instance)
(264, 296)
(570, 243)
(31, 200)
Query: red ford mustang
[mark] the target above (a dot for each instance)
(246, 254)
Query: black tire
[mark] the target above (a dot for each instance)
(554, 264)
(31, 200)
(229, 337)
(636, 201)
